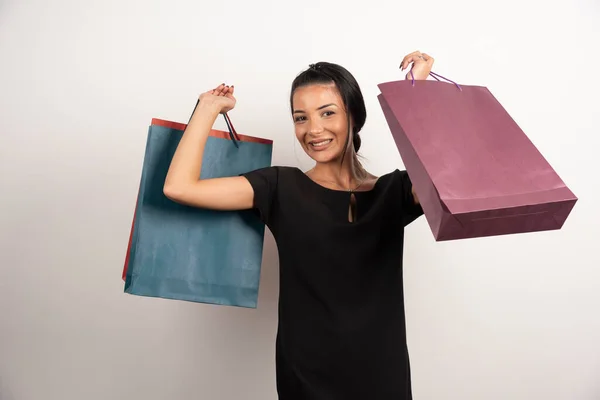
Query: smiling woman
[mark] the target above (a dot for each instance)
(329, 109)
(339, 232)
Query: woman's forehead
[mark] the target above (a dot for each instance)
(316, 95)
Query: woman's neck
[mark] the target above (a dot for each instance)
(347, 175)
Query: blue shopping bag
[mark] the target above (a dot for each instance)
(187, 253)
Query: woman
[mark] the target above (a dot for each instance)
(339, 231)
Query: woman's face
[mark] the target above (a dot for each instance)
(320, 121)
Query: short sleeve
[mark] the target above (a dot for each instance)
(264, 183)
(410, 210)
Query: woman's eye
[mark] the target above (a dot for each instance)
(299, 119)
(328, 113)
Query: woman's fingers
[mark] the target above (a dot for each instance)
(416, 57)
(409, 58)
(430, 60)
(219, 89)
(227, 91)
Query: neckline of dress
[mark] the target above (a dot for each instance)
(339, 190)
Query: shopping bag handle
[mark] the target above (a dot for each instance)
(232, 132)
(435, 76)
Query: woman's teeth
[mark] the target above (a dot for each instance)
(322, 143)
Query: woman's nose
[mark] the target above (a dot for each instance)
(315, 127)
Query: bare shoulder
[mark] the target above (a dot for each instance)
(390, 178)
(370, 181)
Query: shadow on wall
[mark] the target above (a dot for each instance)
(5, 393)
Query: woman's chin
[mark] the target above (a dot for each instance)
(323, 156)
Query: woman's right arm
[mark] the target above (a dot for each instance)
(183, 184)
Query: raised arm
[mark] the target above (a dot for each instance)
(421, 67)
(183, 183)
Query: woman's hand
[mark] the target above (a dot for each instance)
(221, 98)
(421, 65)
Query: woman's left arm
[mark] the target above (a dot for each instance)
(421, 67)
(415, 195)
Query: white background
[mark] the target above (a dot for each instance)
(514, 317)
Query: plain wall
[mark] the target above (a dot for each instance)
(514, 317)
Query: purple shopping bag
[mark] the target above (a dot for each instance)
(474, 170)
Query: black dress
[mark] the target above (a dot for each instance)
(341, 331)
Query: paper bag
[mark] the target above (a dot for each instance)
(475, 172)
(186, 253)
